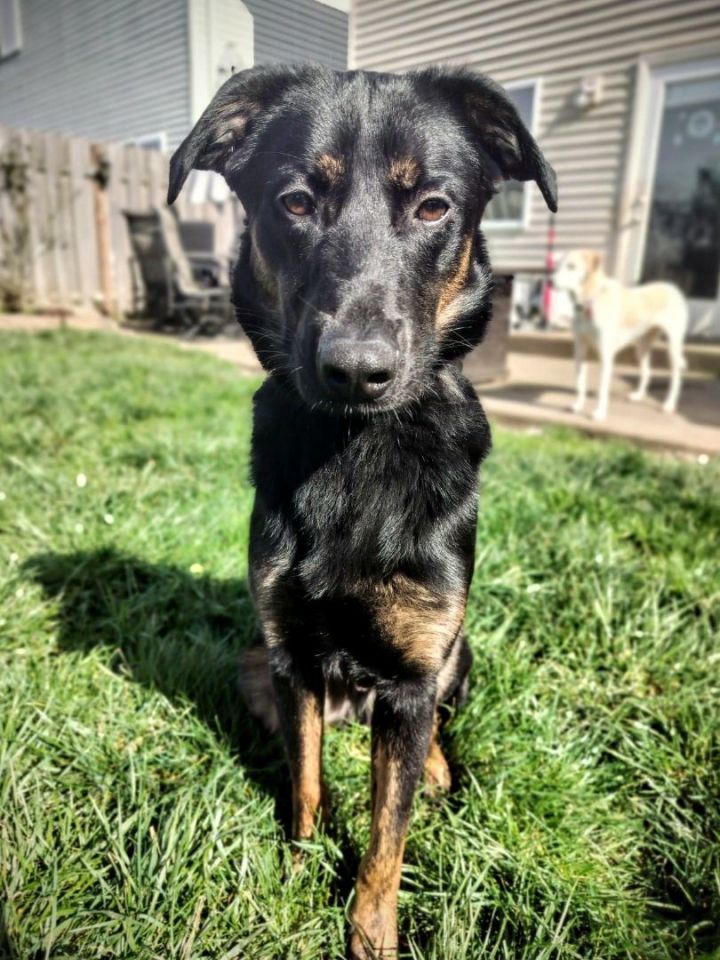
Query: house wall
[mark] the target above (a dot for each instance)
(124, 69)
(221, 42)
(561, 43)
(108, 69)
(291, 31)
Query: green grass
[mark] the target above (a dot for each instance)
(141, 810)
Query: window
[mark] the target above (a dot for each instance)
(151, 141)
(10, 32)
(510, 208)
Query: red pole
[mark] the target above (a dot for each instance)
(549, 267)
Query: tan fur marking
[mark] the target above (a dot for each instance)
(237, 122)
(593, 279)
(437, 771)
(593, 259)
(307, 792)
(375, 909)
(263, 273)
(330, 168)
(418, 623)
(454, 283)
(404, 172)
(639, 305)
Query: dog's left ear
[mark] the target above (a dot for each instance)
(231, 122)
(495, 121)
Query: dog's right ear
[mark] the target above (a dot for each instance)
(593, 260)
(228, 125)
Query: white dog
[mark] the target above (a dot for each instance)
(610, 316)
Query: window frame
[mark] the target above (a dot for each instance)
(523, 223)
(151, 141)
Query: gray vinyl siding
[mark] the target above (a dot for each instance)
(292, 31)
(559, 43)
(107, 69)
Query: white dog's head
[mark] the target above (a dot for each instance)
(575, 269)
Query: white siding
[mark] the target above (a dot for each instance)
(107, 69)
(561, 43)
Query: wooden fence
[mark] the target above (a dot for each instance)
(71, 203)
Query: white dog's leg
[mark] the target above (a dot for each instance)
(677, 365)
(606, 370)
(581, 366)
(643, 350)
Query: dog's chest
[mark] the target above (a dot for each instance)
(371, 510)
(358, 504)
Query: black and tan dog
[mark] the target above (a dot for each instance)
(362, 280)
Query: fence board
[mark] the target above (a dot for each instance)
(84, 239)
(38, 215)
(57, 246)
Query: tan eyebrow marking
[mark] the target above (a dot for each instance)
(404, 172)
(330, 168)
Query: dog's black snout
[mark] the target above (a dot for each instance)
(355, 370)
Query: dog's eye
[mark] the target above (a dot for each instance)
(298, 203)
(432, 209)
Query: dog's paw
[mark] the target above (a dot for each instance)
(437, 771)
(669, 407)
(636, 396)
(297, 859)
(599, 414)
(577, 407)
(376, 939)
(373, 920)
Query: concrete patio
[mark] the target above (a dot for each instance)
(540, 390)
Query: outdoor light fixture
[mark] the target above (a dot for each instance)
(588, 93)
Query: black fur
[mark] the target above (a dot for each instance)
(364, 506)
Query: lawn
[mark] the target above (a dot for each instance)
(141, 810)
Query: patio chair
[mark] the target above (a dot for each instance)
(198, 240)
(163, 279)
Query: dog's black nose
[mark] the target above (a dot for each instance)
(355, 370)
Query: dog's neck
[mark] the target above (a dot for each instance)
(594, 284)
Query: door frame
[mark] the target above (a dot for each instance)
(652, 75)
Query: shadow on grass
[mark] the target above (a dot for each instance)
(170, 631)
(182, 635)
(7, 951)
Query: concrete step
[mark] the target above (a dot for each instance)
(701, 357)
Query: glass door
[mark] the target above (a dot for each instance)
(679, 237)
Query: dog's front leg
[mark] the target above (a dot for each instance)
(677, 365)
(581, 366)
(402, 725)
(607, 358)
(299, 696)
(643, 349)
